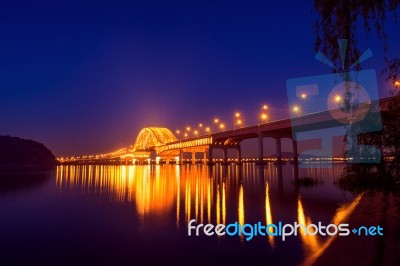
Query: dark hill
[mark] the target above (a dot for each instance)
(22, 152)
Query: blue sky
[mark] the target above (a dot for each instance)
(84, 78)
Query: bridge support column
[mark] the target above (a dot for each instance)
(210, 156)
(180, 157)
(260, 149)
(225, 159)
(295, 154)
(167, 160)
(193, 158)
(239, 154)
(278, 150)
(205, 157)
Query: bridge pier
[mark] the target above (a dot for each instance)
(278, 150)
(210, 156)
(205, 157)
(180, 157)
(193, 157)
(225, 158)
(260, 149)
(239, 154)
(295, 154)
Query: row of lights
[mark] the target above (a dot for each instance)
(96, 156)
(263, 117)
(238, 122)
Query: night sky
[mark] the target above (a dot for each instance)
(84, 78)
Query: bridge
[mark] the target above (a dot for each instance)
(168, 147)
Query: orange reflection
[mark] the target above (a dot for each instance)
(316, 248)
(268, 215)
(151, 190)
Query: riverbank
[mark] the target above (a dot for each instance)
(374, 208)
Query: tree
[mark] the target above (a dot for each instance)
(341, 19)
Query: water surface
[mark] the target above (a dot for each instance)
(139, 214)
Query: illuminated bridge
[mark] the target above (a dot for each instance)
(167, 146)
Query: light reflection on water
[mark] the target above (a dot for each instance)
(220, 194)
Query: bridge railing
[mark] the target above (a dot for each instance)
(182, 144)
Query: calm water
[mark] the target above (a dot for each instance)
(138, 214)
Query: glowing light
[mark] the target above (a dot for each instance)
(196, 132)
(186, 134)
(265, 107)
(239, 122)
(397, 84)
(303, 95)
(188, 128)
(263, 117)
(177, 132)
(200, 125)
(216, 120)
(296, 109)
(208, 129)
(237, 114)
(221, 126)
(338, 98)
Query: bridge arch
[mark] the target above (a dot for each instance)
(151, 137)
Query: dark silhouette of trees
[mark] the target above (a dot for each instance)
(21, 152)
(346, 19)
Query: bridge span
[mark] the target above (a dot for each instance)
(167, 147)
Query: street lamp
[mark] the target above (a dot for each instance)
(396, 84)
(216, 121)
(264, 117)
(222, 126)
(296, 109)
